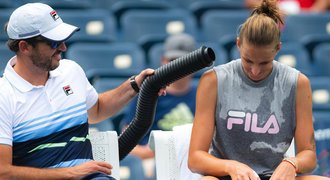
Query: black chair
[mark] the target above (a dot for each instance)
(147, 27)
(302, 25)
(321, 60)
(6, 54)
(310, 29)
(199, 7)
(296, 56)
(108, 59)
(101, 85)
(4, 18)
(222, 26)
(121, 6)
(322, 140)
(320, 93)
(96, 25)
(63, 4)
(155, 53)
(6, 4)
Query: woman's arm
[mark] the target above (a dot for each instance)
(304, 135)
(305, 159)
(200, 160)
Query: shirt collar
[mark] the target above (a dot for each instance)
(20, 83)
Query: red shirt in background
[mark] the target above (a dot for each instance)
(302, 3)
(295, 6)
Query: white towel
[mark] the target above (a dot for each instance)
(182, 135)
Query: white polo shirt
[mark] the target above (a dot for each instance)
(39, 119)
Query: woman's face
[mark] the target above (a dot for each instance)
(257, 61)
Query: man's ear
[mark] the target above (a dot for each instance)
(24, 46)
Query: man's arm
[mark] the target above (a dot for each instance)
(8, 171)
(110, 102)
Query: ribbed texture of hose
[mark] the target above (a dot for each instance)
(147, 100)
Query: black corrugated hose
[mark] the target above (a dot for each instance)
(147, 99)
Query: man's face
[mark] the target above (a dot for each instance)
(46, 54)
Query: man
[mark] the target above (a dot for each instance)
(178, 107)
(46, 103)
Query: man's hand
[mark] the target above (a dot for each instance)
(143, 74)
(90, 167)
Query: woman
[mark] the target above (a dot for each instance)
(249, 110)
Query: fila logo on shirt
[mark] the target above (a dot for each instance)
(67, 89)
(250, 122)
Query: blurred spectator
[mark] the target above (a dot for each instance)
(178, 106)
(296, 6)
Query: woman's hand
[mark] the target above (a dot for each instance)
(284, 170)
(240, 171)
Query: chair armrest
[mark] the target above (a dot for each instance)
(105, 148)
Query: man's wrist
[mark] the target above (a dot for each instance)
(133, 83)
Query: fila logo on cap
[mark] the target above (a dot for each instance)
(67, 89)
(54, 15)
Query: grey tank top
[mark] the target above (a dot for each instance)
(255, 121)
